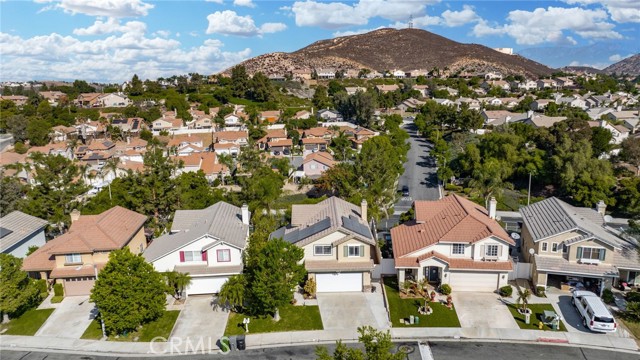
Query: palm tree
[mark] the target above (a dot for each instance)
(523, 298)
(488, 179)
(177, 283)
(110, 166)
(232, 292)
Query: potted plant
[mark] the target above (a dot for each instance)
(523, 300)
(433, 295)
(450, 302)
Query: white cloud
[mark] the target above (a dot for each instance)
(229, 23)
(333, 15)
(459, 18)
(247, 3)
(593, 65)
(549, 25)
(622, 11)
(109, 8)
(618, 57)
(112, 25)
(215, 1)
(355, 32)
(113, 59)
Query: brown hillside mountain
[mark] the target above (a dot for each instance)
(389, 49)
(628, 66)
(586, 69)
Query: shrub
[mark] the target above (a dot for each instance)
(452, 187)
(607, 296)
(540, 291)
(56, 299)
(57, 290)
(20, 148)
(506, 291)
(42, 286)
(445, 289)
(310, 288)
(467, 191)
(633, 296)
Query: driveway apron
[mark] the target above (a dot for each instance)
(70, 319)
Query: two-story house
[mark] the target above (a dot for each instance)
(75, 258)
(453, 241)
(340, 250)
(20, 231)
(568, 245)
(208, 244)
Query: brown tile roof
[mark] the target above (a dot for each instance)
(450, 219)
(231, 135)
(111, 230)
(314, 141)
(7, 158)
(454, 264)
(179, 139)
(273, 134)
(317, 132)
(321, 157)
(282, 142)
(218, 146)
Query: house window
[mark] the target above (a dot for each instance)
(354, 251)
(458, 249)
(491, 251)
(544, 246)
(224, 255)
(587, 253)
(554, 247)
(73, 259)
(192, 256)
(322, 250)
(565, 248)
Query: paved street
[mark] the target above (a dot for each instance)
(70, 319)
(419, 172)
(441, 350)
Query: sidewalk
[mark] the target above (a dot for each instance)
(314, 337)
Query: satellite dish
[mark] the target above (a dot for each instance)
(608, 218)
(531, 251)
(515, 236)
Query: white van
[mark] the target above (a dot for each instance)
(595, 315)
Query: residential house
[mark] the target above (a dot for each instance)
(315, 164)
(183, 145)
(270, 116)
(499, 117)
(411, 104)
(383, 89)
(547, 84)
(18, 100)
(200, 120)
(271, 136)
(415, 73)
(76, 257)
(539, 121)
(493, 76)
(572, 101)
(62, 133)
(501, 84)
(19, 232)
(114, 100)
(618, 132)
(352, 90)
(526, 85)
(360, 135)
(169, 122)
(340, 250)
(399, 74)
(473, 104)
(453, 241)
(564, 82)
(571, 246)
(622, 115)
(207, 244)
(230, 142)
(325, 73)
(596, 113)
(282, 146)
(88, 100)
(423, 89)
(303, 115)
(54, 97)
(89, 129)
(131, 126)
(207, 162)
(62, 148)
(329, 115)
(445, 102)
(540, 104)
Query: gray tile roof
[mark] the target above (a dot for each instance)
(553, 216)
(312, 222)
(221, 221)
(561, 265)
(19, 226)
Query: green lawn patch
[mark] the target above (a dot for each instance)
(28, 323)
(399, 308)
(292, 318)
(537, 311)
(161, 327)
(634, 327)
(56, 299)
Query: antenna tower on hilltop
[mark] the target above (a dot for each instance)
(410, 21)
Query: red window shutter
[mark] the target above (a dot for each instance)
(181, 256)
(204, 256)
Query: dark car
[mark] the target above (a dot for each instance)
(405, 190)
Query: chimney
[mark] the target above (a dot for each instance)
(493, 204)
(601, 208)
(175, 112)
(245, 214)
(75, 215)
(128, 139)
(530, 114)
(363, 209)
(619, 108)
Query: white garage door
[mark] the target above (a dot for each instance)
(340, 282)
(206, 285)
(465, 281)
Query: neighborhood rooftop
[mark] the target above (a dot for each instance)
(16, 226)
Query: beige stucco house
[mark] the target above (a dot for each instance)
(74, 258)
(568, 245)
(340, 250)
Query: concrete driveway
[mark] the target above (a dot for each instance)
(561, 302)
(199, 320)
(342, 311)
(70, 318)
(482, 310)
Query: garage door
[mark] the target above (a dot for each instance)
(206, 285)
(465, 281)
(78, 286)
(338, 282)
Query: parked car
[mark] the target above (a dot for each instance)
(405, 190)
(595, 315)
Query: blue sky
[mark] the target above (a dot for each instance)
(110, 40)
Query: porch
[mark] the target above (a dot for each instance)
(433, 274)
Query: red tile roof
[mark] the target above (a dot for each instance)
(454, 264)
(451, 219)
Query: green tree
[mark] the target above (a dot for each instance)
(194, 191)
(600, 140)
(320, 98)
(340, 180)
(233, 292)
(135, 88)
(128, 292)
(38, 130)
(11, 192)
(18, 292)
(274, 274)
(377, 346)
(17, 126)
(489, 178)
(240, 82)
(341, 146)
(156, 187)
(57, 191)
(262, 188)
(631, 152)
(260, 88)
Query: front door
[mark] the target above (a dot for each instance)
(433, 273)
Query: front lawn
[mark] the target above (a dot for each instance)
(28, 323)
(161, 327)
(399, 308)
(292, 318)
(537, 311)
(633, 326)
